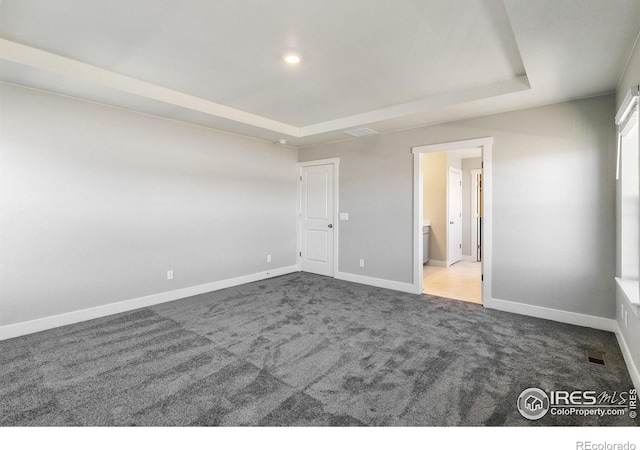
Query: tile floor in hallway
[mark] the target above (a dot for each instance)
(460, 281)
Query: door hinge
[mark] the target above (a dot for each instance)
(460, 245)
(300, 177)
(301, 254)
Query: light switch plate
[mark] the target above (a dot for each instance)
(344, 216)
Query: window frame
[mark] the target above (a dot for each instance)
(627, 118)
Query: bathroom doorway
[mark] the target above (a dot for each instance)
(452, 265)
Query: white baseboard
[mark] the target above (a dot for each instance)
(377, 282)
(46, 323)
(437, 263)
(626, 353)
(583, 320)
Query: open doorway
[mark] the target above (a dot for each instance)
(451, 220)
(451, 269)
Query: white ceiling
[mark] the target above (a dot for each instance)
(384, 64)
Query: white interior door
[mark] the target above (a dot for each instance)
(454, 208)
(316, 219)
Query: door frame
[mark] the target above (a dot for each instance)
(447, 246)
(485, 144)
(336, 225)
(474, 207)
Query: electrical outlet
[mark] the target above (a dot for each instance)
(170, 274)
(626, 318)
(362, 263)
(268, 258)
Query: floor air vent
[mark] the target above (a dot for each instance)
(358, 132)
(595, 357)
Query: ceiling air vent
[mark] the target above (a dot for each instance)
(359, 132)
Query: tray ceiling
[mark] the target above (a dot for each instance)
(381, 63)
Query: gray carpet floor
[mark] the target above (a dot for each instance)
(301, 350)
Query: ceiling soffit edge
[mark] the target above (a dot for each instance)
(50, 62)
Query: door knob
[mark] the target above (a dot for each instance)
(451, 223)
(330, 225)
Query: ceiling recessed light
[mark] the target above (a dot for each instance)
(291, 58)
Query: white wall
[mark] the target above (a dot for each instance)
(454, 161)
(98, 202)
(631, 331)
(553, 202)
